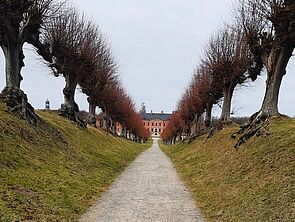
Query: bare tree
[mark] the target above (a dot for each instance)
(210, 91)
(104, 74)
(21, 22)
(67, 37)
(270, 29)
(228, 58)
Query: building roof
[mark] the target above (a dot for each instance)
(154, 116)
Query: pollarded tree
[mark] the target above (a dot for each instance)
(191, 107)
(197, 101)
(210, 91)
(96, 82)
(186, 111)
(176, 127)
(270, 30)
(106, 99)
(20, 23)
(68, 37)
(228, 58)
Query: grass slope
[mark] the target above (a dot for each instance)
(254, 183)
(55, 171)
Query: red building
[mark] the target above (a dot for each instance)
(155, 122)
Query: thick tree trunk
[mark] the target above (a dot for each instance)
(69, 108)
(69, 92)
(92, 108)
(13, 63)
(12, 95)
(91, 115)
(274, 79)
(278, 61)
(208, 115)
(226, 107)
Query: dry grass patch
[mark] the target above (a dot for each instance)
(55, 171)
(254, 183)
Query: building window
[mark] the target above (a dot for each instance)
(152, 124)
(160, 124)
(152, 129)
(156, 124)
(164, 124)
(148, 123)
(143, 123)
(159, 130)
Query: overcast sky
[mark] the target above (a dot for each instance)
(157, 43)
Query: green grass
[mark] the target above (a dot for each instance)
(254, 183)
(55, 171)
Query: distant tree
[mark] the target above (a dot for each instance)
(103, 72)
(142, 108)
(197, 101)
(186, 111)
(210, 91)
(173, 130)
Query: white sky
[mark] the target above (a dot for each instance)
(157, 43)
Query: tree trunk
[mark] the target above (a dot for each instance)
(12, 95)
(226, 107)
(69, 108)
(69, 92)
(113, 127)
(180, 136)
(91, 119)
(124, 132)
(197, 125)
(92, 107)
(106, 120)
(274, 79)
(13, 63)
(208, 115)
(174, 139)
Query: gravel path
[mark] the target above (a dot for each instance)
(148, 190)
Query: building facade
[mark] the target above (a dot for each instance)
(155, 122)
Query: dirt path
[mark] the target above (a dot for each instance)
(148, 190)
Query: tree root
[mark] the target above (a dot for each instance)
(192, 138)
(257, 125)
(71, 114)
(91, 120)
(217, 127)
(18, 104)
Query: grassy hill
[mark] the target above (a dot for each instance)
(55, 171)
(254, 183)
